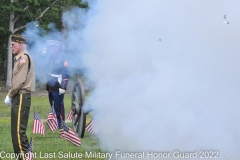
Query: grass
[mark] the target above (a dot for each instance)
(50, 146)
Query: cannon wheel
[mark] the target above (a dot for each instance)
(78, 116)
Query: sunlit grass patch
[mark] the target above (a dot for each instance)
(45, 147)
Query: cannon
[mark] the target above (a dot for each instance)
(78, 115)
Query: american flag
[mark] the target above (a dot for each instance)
(68, 134)
(30, 149)
(52, 120)
(22, 60)
(92, 127)
(69, 117)
(38, 126)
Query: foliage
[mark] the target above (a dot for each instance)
(44, 12)
(4, 33)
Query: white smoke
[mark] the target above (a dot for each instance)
(166, 74)
(37, 40)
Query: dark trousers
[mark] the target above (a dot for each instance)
(19, 120)
(57, 100)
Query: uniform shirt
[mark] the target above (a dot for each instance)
(57, 68)
(21, 79)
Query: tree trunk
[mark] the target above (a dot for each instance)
(9, 59)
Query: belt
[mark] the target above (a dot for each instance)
(55, 75)
(59, 76)
(22, 91)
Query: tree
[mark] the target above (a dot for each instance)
(4, 32)
(23, 12)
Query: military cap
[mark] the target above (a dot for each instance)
(53, 42)
(18, 38)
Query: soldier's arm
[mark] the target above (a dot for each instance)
(65, 76)
(19, 76)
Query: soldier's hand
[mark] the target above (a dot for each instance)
(8, 101)
(65, 64)
(61, 91)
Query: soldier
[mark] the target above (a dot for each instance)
(19, 96)
(58, 77)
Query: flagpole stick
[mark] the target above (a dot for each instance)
(52, 110)
(64, 136)
(32, 130)
(33, 124)
(33, 120)
(54, 113)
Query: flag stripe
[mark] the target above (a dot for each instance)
(30, 149)
(52, 120)
(68, 134)
(92, 127)
(38, 126)
(69, 117)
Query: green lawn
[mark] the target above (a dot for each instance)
(50, 146)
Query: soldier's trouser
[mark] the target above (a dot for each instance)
(57, 100)
(19, 120)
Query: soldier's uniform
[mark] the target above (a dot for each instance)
(58, 78)
(23, 83)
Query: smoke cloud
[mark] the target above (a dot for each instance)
(165, 74)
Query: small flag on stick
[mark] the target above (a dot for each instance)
(69, 117)
(68, 134)
(30, 149)
(52, 120)
(92, 127)
(38, 126)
